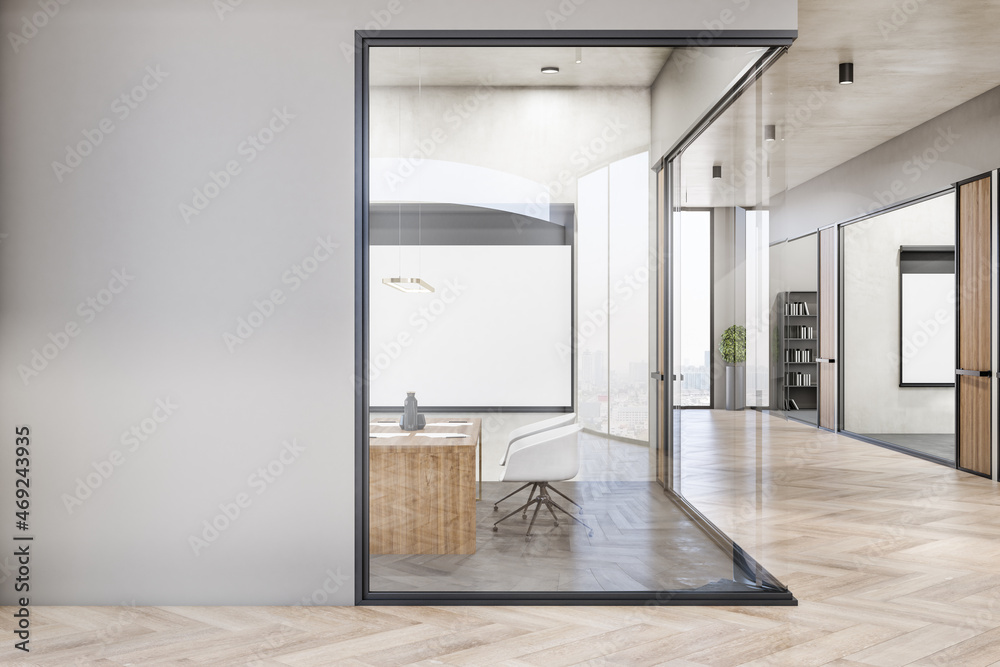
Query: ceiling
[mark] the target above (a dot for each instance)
(515, 66)
(908, 69)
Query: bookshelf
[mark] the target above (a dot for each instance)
(798, 335)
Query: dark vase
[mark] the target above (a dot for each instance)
(411, 419)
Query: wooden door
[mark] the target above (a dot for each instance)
(973, 281)
(826, 348)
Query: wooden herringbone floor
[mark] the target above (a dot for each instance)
(895, 561)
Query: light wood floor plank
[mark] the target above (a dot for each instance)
(894, 561)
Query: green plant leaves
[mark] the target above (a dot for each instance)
(734, 344)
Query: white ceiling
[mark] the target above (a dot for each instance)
(908, 68)
(515, 66)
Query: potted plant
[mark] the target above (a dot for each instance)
(734, 352)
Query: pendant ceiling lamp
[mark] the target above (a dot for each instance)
(413, 285)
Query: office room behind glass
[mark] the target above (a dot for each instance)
(511, 213)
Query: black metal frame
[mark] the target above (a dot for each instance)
(777, 40)
(898, 448)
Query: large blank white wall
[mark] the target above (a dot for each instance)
(496, 332)
(222, 77)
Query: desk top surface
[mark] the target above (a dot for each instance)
(384, 430)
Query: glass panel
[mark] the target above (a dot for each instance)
(628, 337)
(523, 201)
(899, 327)
(726, 178)
(592, 300)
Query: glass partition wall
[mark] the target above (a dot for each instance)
(724, 294)
(899, 328)
(510, 439)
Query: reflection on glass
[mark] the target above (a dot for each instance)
(613, 329)
(793, 305)
(898, 384)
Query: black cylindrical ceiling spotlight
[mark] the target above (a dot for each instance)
(550, 69)
(846, 73)
(717, 171)
(770, 132)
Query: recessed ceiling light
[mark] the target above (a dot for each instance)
(549, 69)
(579, 55)
(846, 73)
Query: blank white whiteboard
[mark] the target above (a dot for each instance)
(927, 328)
(495, 333)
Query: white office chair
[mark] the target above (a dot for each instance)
(539, 460)
(519, 434)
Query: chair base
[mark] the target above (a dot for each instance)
(542, 488)
(531, 494)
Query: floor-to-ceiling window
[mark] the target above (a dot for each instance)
(693, 305)
(613, 220)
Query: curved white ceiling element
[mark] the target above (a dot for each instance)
(442, 182)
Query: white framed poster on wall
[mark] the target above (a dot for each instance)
(927, 316)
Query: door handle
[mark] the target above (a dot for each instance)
(821, 360)
(658, 376)
(975, 374)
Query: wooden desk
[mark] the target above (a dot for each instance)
(422, 489)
